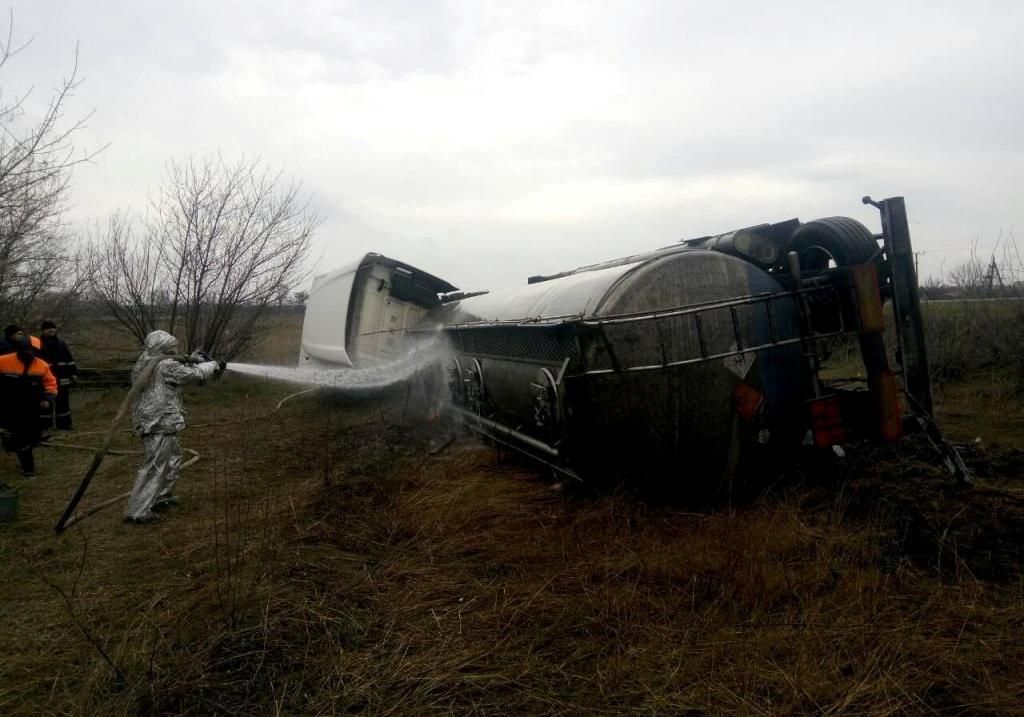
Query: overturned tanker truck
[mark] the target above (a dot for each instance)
(686, 367)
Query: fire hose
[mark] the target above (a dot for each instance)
(78, 517)
(70, 517)
(101, 451)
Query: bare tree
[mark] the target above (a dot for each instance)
(984, 327)
(221, 244)
(37, 154)
(127, 276)
(995, 276)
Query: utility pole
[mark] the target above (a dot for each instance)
(992, 275)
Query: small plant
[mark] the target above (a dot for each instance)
(980, 326)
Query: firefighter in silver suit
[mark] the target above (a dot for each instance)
(158, 417)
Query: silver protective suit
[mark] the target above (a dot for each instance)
(158, 416)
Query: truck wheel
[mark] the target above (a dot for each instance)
(841, 240)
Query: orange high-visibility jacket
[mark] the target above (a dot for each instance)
(11, 366)
(37, 343)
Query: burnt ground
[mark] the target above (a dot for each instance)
(974, 532)
(328, 561)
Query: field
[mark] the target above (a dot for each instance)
(339, 556)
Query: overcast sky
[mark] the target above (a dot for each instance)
(487, 141)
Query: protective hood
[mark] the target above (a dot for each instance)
(160, 343)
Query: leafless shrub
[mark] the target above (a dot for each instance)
(131, 283)
(241, 534)
(982, 328)
(220, 245)
(37, 155)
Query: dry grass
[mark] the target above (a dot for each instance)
(484, 591)
(976, 339)
(325, 563)
(103, 343)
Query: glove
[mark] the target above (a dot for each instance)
(221, 365)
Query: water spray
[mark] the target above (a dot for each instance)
(351, 379)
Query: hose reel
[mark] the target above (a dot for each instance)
(548, 408)
(466, 384)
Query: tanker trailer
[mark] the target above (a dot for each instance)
(683, 368)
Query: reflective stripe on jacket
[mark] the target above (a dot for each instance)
(56, 353)
(12, 367)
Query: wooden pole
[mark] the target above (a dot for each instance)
(101, 452)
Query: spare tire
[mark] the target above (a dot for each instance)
(841, 239)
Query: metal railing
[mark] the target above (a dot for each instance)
(699, 327)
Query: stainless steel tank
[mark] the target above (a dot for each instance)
(672, 369)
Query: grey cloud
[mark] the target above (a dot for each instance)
(358, 41)
(690, 117)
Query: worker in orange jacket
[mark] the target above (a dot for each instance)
(12, 337)
(26, 386)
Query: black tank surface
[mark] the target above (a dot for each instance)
(667, 371)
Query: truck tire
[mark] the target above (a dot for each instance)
(840, 239)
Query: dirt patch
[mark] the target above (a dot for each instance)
(959, 533)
